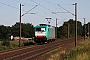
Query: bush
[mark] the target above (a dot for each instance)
(27, 43)
(81, 52)
(6, 42)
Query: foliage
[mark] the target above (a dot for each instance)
(82, 52)
(6, 43)
(27, 43)
(15, 29)
(27, 30)
(6, 31)
(63, 30)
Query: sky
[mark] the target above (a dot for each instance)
(39, 10)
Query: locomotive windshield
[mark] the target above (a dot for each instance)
(40, 29)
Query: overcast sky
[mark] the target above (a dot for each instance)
(9, 11)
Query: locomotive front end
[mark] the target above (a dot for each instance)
(40, 34)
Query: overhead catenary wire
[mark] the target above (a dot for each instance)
(32, 5)
(62, 8)
(16, 7)
(26, 3)
(9, 5)
(37, 4)
(29, 10)
(36, 8)
(43, 11)
(62, 12)
(45, 8)
(56, 5)
(24, 10)
(66, 10)
(49, 2)
(41, 5)
(32, 8)
(57, 12)
(23, 3)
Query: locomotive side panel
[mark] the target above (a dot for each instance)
(52, 33)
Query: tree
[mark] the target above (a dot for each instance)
(79, 28)
(15, 29)
(27, 29)
(4, 32)
(63, 30)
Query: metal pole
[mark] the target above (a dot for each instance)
(88, 30)
(56, 28)
(20, 28)
(68, 29)
(84, 29)
(75, 24)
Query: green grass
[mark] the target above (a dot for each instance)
(56, 54)
(51, 52)
(81, 52)
(14, 44)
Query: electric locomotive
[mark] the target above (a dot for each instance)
(44, 33)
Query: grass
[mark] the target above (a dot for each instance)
(52, 52)
(81, 52)
(57, 54)
(14, 44)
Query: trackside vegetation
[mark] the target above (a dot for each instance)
(8, 44)
(81, 52)
(28, 30)
(5, 45)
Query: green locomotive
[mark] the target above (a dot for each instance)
(44, 33)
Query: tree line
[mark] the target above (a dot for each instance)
(7, 31)
(28, 30)
(63, 30)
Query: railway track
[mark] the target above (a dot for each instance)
(29, 53)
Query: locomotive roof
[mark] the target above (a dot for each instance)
(44, 25)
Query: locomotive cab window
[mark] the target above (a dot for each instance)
(41, 29)
(38, 29)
